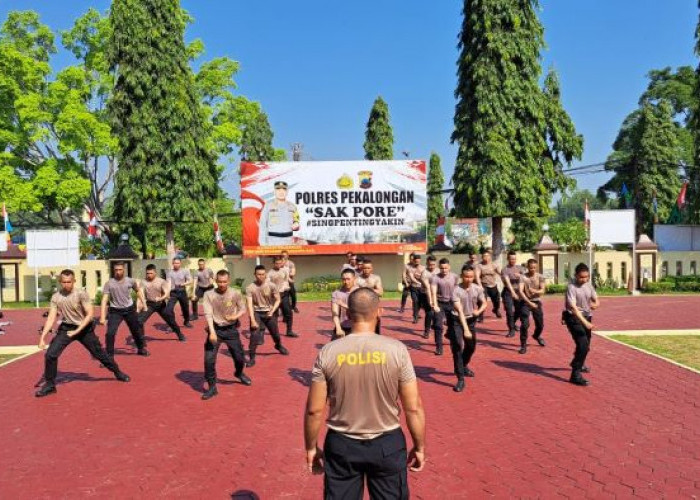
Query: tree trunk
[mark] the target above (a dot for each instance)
(144, 241)
(496, 238)
(170, 240)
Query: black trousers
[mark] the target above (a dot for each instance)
(381, 461)
(293, 295)
(115, 316)
(228, 335)
(404, 295)
(492, 293)
(162, 310)
(537, 316)
(462, 349)
(424, 303)
(512, 307)
(445, 315)
(582, 340)
(59, 343)
(257, 336)
(286, 307)
(416, 301)
(179, 296)
(199, 293)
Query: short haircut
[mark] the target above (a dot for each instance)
(118, 264)
(222, 272)
(260, 267)
(467, 267)
(444, 260)
(284, 252)
(349, 253)
(151, 267)
(511, 252)
(360, 259)
(177, 258)
(348, 270)
(486, 251)
(581, 268)
(416, 256)
(200, 260)
(362, 304)
(431, 258)
(411, 256)
(367, 261)
(531, 261)
(68, 272)
(277, 257)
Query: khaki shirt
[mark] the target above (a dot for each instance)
(581, 296)
(277, 217)
(363, 374)
(339, 297)
(513, 274)
(291, 267)
(445, 285)
(280, 278)
(178, 279)
(487, 274)
(264, 296)
(219, 305)
(468, 298)
(416, 276)
(204, 278)
(530, 284)
(372, 281)
(155, 289)
(71, 306)
(120, 292)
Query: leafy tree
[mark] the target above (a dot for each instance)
(379, 137)
(436, 204)
(256, 141)
(526, 233)
(647, 157)
(694, 126)
(571, 234)
(572, 205)
(166, 172)
(513, 136)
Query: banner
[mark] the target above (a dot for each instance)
(472, 231)
(333, 207)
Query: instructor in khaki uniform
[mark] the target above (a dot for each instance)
(362, 377)
(279, 219)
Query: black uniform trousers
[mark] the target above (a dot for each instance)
(445, 315)
(404, 295)
(582, 339)
(416, 301)
(90, 342)
(228, 335)
(257, 336)
(199, 293)
(381, 461)
(423, 302)
(162, 310)
(286, 307)
(492, 293)
(115, 316)
(512, 307)
(537, 316)
(293, 295)
(179, 296)
(462, 349)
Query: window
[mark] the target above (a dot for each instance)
(83, 279)
(693, 267)
(623, 273)
(608, 271)
(664, 269)
(98, 278)
(679, 268)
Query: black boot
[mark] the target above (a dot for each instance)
(210, 393)
(541, 342)
(459, 386)
(122, 377)
(181, 337)
(510, 334)
(245, 379)
(45, 391)
(282, 350)
(577, 379)
(468, 372)
(251, 361)
(143, 352)
(523, 350)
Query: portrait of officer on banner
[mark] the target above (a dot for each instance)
(279, 219)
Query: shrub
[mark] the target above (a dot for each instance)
(326, 283)
(660, 287)
(98, 298)
(688, 286)
(556, 288)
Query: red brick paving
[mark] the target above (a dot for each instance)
(518, 429)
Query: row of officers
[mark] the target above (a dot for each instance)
(266, 296)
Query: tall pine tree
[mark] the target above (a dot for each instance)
(166, 169)
(379, 138)
(436, 207)
(513, 137)
(647, 158)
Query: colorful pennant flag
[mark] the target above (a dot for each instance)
(8, 224)
(217, 235)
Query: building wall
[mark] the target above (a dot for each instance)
(92, 274)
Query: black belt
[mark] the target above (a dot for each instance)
(178, 288)
(67, 326)
(444, 301)
(226, 327)
(281, 235)
(122, 309)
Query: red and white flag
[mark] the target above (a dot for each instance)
(217, 235)
(587, 215)
(92, 226)
(681, 196)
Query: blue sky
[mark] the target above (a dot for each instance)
(316, 66)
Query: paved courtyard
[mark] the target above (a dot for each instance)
(519, 429)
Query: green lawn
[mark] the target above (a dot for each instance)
(325, 296)
(684, 349)
(22, 305)
(8, 357)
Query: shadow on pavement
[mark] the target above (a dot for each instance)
(244, 495)
(427, 374)
(301, 376)
(67, 377)
(532, 368)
